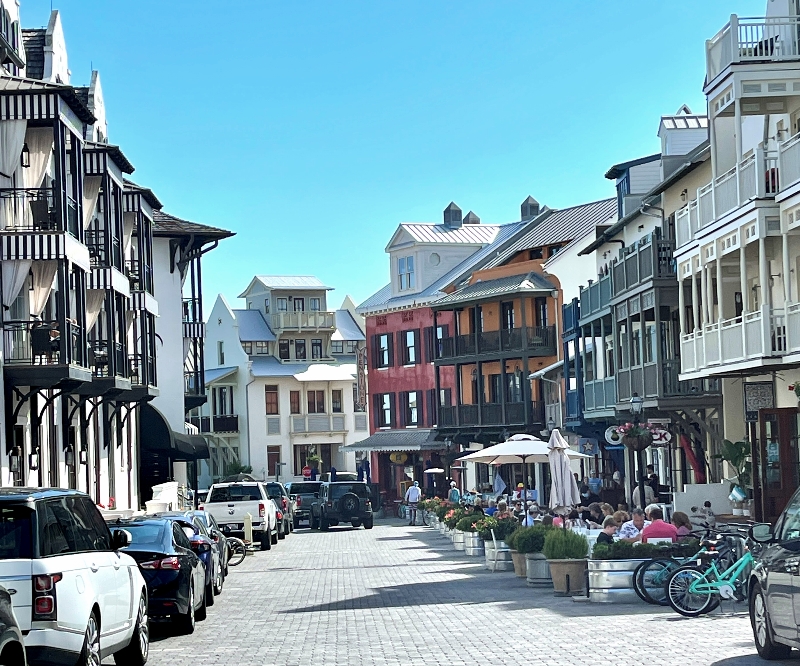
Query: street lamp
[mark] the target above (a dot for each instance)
(637, 404)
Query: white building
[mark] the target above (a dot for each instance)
(282, 379)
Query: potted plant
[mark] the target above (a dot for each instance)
(314, 462)
(566, 552)
(503, 529)
(516, 557)
(530, 542)
(473, 544)
(636, 436)
(737, 455)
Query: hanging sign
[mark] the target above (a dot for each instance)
(398, 458)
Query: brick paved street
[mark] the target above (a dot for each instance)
(398, 595)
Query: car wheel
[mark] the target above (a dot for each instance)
(135, 654)
(274, 537)
(356, 523)
(368, 523)
(762, 630)
(186, 622)
(201, 613)
(90, 654)
(323, 523)
(266, 541)
(282, 530)
(209, 595)
(219, 581)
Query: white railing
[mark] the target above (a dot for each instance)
(711, 337)
(789, 161)
(686, 223)
(303, 320)
(752, 40)
(318, 423)
(793, 327)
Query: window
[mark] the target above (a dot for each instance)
(383, 350)
(262, 347)
(336, 401)
(445, 397)
(301, 453)
(410, 344)
(222, 400)
(316, 348)
(248, 348)
(650, 342)
(266, 305)
(181, 540)
(384, 408)
(16, 537)
(220, 352)
(300, 350)
(283, 349)
(283, 304)
(412, 405)
(299, 304)
(313, 304)
(274, 460)
(535, 254)
(271, 393)
(540, 305)
(316, 402)
(294, 402)
(507, 320)
(337, 346)
(351, 346)
(552, 250)
(405, 272)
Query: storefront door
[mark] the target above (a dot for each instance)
(778, 460)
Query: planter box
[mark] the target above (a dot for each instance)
(504, 561)
(473, 545)
(519, 563)
(537, 570)
(569, 576)
(611, 581)
(442, 528)
(458, 539)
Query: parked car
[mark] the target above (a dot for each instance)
(206, 550)
(12, 644)
(217, 536)
(286, 505)
(73, 591)
(229, 503)
(304, 493)
(174, 573)
(346, 502)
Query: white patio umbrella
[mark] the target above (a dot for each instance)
(564, 492)
(433, 470)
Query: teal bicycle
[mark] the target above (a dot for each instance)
(695, 589)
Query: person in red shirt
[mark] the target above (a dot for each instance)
(658, 529)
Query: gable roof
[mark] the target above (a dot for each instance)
(253, 327)
(617, 170)
(146, 192)
(430, 233)
(487, 289)
(346, 327)
(215, 374)
(165, 224)
(560, 226)
(295, 282)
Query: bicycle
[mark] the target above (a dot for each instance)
(694, 589)
(402, 511)
(237, 551)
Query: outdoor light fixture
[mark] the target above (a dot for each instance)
(551, 424)
(636, 404)
(14, 461)
(33, 460)
(69, 457)
(25, 156)
(83, 456)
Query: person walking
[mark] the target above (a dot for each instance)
(454, 497)
(413, 496)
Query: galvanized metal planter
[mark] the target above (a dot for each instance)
(458, 539)
(473, 544)
(504, 561)
(611, 581)
(537, 570)
(519, 563)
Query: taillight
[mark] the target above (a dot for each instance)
(284, 503)
(299, 500)
(45, 606)
(168, 563)
(279, 515)
(330, 503)
(261, 509)
(201, 507)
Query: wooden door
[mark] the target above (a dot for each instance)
(778, 460)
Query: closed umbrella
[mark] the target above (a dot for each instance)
(564, 492)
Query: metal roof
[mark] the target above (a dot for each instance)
(215, 374)
(291, 282)
(485, 289)
(468, 234)
(67, 93)
(561, 226)
(412, 439)
(346, 327)
(269, 366)
(253, 327)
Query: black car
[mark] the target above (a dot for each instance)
(345, 502)
(277, 493)
(12, 647)
(304, 494)
(218, 537)
(174, 573)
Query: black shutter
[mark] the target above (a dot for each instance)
(431, 405)
(373, 351)
(430, 339)
(417, 347)
(393, 409)
(401, 416)
(420, 411)
(390, 337)
(376, 410)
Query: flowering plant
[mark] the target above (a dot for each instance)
(453, 516)
(635, 429)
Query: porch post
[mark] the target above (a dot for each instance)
(743, 273)
(763, 278)
(704, 294)
(681, 306)
(695, 303)
(787, 284)
(719, 287)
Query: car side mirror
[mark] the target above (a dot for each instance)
(762, 533)
(119, 539)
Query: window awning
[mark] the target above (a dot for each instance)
(158, 436)
(398, 440)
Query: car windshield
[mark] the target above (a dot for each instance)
(144, 536)
(241, 493)
(274, 490)
(358, 489)
(305, 488)
(16, 535)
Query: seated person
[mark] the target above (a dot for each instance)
(609, 530)
(502, 511)
(594, 515)
(533, 514)
(631, 531)
(548, 520)
(682, 522)
(658, 529)
(491, 509)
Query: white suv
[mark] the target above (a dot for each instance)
(76, 597)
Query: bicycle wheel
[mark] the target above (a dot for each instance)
(401, 511)
(650, 579)
(425, 520)
(682, 600)
(238, 551)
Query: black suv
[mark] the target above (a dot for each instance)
(342, 501)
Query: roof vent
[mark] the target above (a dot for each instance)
(452, 216)
(529, 208)
(471, 218)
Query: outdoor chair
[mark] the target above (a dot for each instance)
(42, 219)
(497, 551)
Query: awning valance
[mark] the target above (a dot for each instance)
(397, 440)
(158, 436)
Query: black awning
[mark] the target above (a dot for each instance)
(200, 444)
(158, 436)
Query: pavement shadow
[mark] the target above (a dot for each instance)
(754, 659)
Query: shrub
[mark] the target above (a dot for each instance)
(530, 539)
(622, 550)
(443, 509)
(484, 527)
(505, 528)
(561, 544)
(452, 516)
(468, 523)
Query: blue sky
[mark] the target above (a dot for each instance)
(313, 128)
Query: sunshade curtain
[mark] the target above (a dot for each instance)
(91, 190)
(12, 139)
(564, 489)
(94, 304)
(14, 272)
(43, 274)
(40, 149)
(130, 317)
(128, 225)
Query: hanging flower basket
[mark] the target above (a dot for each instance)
(637, 442)
(636, 436)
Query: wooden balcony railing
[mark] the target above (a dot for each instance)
(227, 423)
(596, 296)
(536, 340)
(302, 321)
(650, 257)
(491, 414)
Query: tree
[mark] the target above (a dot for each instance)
(234, 468)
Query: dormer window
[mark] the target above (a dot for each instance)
(405, 273)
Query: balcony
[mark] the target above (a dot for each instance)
(599, 394)
(104, 250)
(140, 275)
(570, 315)
(222, 424)
(304, 321)
(491, 414)
(107, 359)
(752, 40)
(535, 340)
(143, 370)
(25, 210)
(36, 354)
(317, 423)
(649, 258)
(596, 296)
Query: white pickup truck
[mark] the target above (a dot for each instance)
(229, 503)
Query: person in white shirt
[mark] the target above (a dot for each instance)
(649, 496)
(413, 495)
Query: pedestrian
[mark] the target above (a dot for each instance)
(454, 497)
(631, 531)
(658, 528)
(649, 496)
(413, 496)
(609, 530)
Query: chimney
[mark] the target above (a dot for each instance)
(529, 208)
(452, 216)
(471, 218)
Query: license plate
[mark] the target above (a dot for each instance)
(232, 526)
(699, 561)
